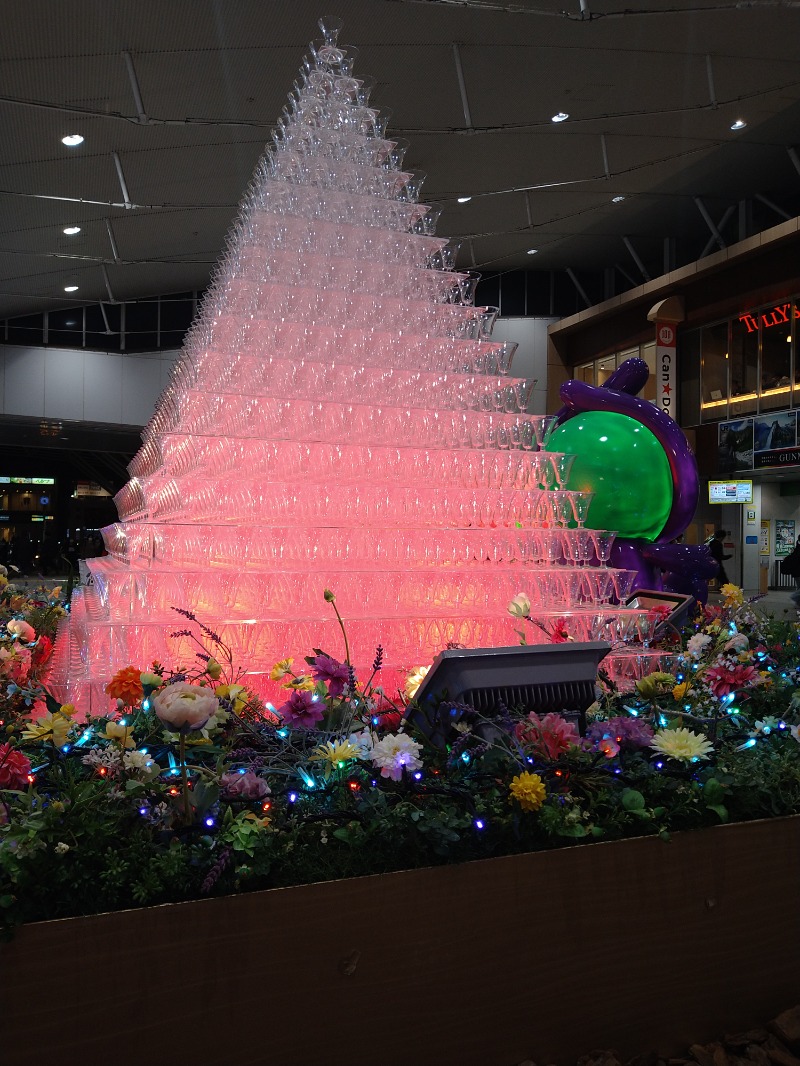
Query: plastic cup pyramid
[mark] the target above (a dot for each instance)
(339, 418)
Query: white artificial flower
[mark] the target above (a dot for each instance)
(61, 848)
(394, 753)
(737, 643)
(137, 760)
(520, 606)
(698, 644)
(364, 741)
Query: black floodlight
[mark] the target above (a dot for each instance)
(539, 677)
(678, 605)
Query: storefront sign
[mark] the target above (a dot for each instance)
(780, 315)
(666, 371)
(777, 457)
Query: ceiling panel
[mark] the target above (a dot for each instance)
(651, 96)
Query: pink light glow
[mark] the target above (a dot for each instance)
(339, 418)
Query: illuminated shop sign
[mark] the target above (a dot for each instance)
(779, 315)
(27, 481)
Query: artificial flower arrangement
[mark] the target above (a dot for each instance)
(190, 786)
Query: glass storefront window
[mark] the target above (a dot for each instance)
(743, 369)
(776, 359)
(605, 368)
(585, 373)
(714, 369)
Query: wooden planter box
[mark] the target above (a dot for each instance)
(636, 945)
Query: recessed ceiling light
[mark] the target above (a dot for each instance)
(72, 230)
(464, 199)
(562, 116)
(72, 140)
(617, 199)
(70, 288)
(739, 124)
(532, 251)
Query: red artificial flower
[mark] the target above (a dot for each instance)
(549, 737)
(722, 680)
(14, 767)
(42, 651)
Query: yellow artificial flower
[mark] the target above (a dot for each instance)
(67, 709)
(304, 682)
(682, 744)
(233, 693)
(3, 581)
(119, 734)
(334, 754)
(528, 790)
(55, 593)
(151, 681)
(655, 684)
(734, 597)
(213, 669)
(414, 680)
(281, 669)
(51, 726)
(679, 692)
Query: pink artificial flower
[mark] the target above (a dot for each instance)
(609, 747)
(244, 786)
(329, 670)
(302, 709)
(15, 663)
(14, 768)
(549, 737)
(183, 707)
(722, 679)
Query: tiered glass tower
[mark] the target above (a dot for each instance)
(339, 418)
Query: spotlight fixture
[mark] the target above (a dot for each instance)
(532, 251)
(72, 230)
(617, 199)
(72, 140)
(562, 116)
(464, 199)
(70, 288)
(739, 124)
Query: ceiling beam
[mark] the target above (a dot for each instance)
(714, 238)
(772, 206)
(573, 278)
(462, 86)
(635, 257)
(701, 207)
(137, 95)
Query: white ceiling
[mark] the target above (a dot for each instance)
(651, 95)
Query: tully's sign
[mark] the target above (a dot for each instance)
(778, 316)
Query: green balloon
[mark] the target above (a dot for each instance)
(624, 465)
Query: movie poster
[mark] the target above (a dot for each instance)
(775, 439)
(736, 445)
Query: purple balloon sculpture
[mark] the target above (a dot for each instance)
(686, 567)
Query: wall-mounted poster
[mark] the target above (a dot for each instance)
(784, 536)
(764, 536)
(775, 439)
(735, 445)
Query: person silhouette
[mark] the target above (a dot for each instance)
(717, 551)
